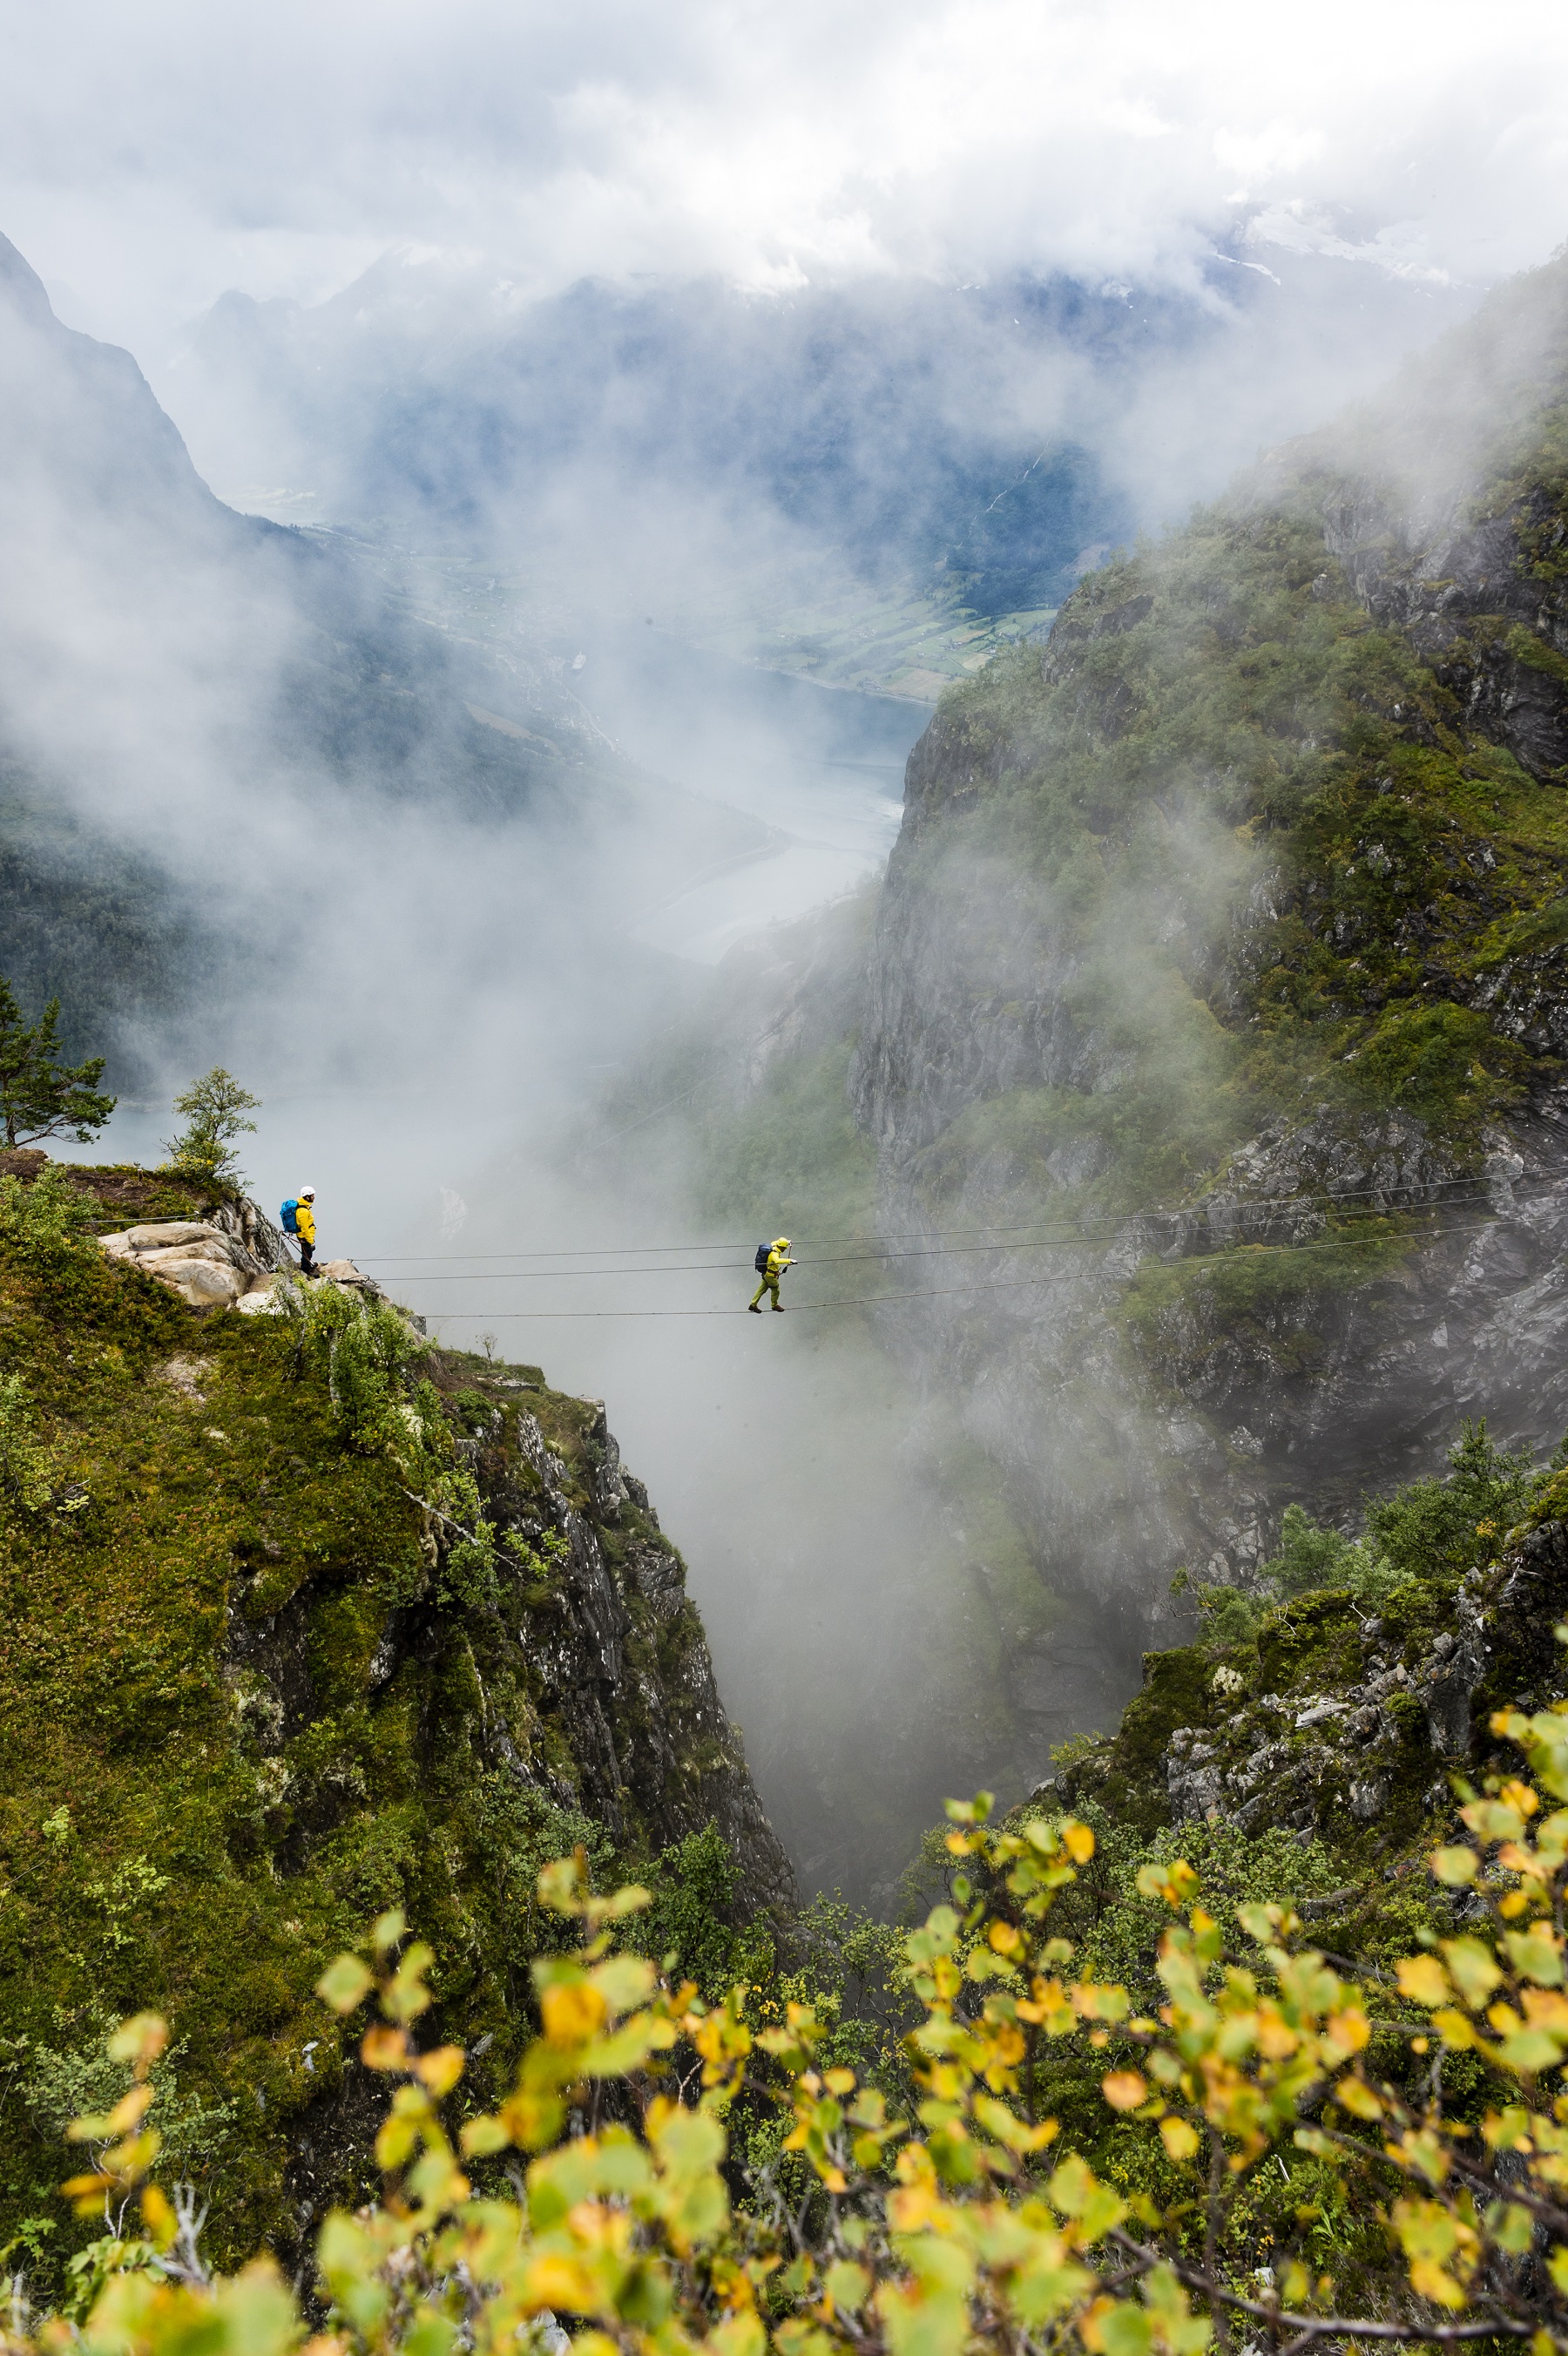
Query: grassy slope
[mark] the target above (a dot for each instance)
(156, 1846)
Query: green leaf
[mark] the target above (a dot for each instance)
(344, 1984)
(389, 1929)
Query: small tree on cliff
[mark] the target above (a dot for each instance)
(214, 1109)
(40, 1096)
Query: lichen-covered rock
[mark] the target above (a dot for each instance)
(1345, 1727)
(232, 1259)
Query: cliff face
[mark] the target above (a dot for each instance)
(245, 1706)
(1344, 1728)
(1220, 974)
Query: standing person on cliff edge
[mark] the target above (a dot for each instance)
(299, 1221)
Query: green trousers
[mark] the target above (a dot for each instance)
(768, 1284)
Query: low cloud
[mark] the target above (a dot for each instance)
(151, 160)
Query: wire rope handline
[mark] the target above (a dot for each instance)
(449, 1273)
(1478, 1190)
(939, 1292)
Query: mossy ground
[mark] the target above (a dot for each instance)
(210, 1778)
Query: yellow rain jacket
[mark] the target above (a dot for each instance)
(304, 1223)
(778, 1260)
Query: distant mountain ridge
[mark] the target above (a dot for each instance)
(90, 419)
(991, 435)
(208, 721)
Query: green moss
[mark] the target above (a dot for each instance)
(1126, 1775)
(188, 1680)
(1251, 743)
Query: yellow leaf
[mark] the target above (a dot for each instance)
(394, 2142)
(1078, 1840)
(1125, 2089)
(441, 2071)
(1427, 2278)
(130, 2111)
(847, 2284)
(737, 2335)
(344, 1983)
(624, 1981)
(572, 2013)
(1358, 2099)
(557, 2280)
(1474, 1970)
(1423, 1979)
(1536, 1955)
(1179, 2139)
(1454, 1866)
(384, 2048)
(1531, 2051)
(140, 2040)
(159, 2219)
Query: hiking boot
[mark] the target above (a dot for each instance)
(753, 1308)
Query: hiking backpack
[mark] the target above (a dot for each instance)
(761, 1262)
(289, 1217)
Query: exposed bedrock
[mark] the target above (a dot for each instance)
(1280, 797)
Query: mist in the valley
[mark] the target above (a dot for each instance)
(432, 822)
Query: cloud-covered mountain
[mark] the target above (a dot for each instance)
(1001, 434)
(234, 771)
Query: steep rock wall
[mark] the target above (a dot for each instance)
(1220, 981)
(244, 1707)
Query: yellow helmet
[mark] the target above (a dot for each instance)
(781, 1243)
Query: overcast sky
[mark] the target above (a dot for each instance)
(151, 156)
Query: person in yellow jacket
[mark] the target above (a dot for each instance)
(305, 1228)
(778, 1260)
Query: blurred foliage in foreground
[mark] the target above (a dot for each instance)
(1415, 2122)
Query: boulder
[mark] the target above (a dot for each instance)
(237, 1264)
(213, 1247)
(343, 1272)
(204, 1283)
(194, 1260)
(164, 1232)
(263, 1298)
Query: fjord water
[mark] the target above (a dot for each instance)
(823, 768)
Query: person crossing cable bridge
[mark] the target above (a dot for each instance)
(298, 1217)
(771, 1263)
